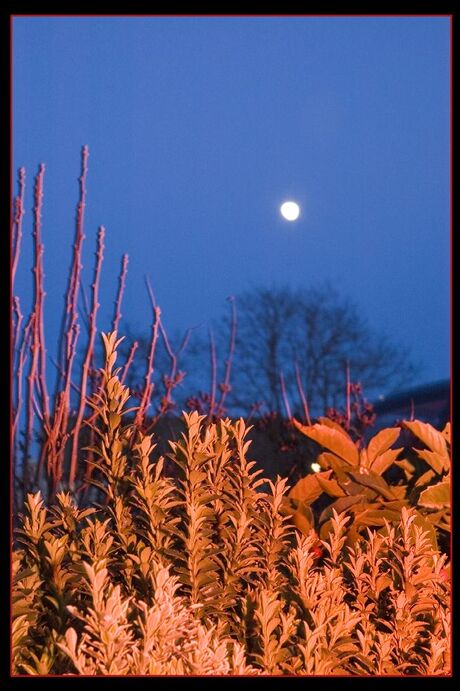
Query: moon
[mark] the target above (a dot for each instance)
(290, 211)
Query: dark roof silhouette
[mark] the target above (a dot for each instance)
(429, 403)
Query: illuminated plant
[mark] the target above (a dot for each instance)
(206, 574)
(353, 479)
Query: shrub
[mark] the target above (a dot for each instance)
(206, 574)
(356, 478)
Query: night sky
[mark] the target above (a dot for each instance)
(199, 128)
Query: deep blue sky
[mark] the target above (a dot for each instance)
(198, 128)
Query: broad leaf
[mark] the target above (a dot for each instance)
(385, 460)
(428, 435)
(436, 497)
(407, 466)
(333, 440)
(437, 461)
(422, 522)
(446, 432)
(381, 443)
(331, 487)
(303, 519)
(340, 505)
(329, 460)
(374, 481)
(373, 516)
(333, 425)
(425, 478)
(307, 489)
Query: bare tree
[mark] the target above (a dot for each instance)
(304, 339)
(308, 338)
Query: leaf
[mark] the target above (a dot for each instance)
(422, 522)
(437, 461)
(381, 442)
(71, 639)
(446, 432)
(331, 439)
(353, 489)
(383, 581)
(114, 420)
(307, 489)
(428, 435)
(407, 466)
(340, 505)
(329, 460)
(385, 460)
(330, 487)
(425, 478)
(399, 491)
(333, 425)
(303, 519)
(374, 481)
(425, 605)
(375, 517)
(436, 497)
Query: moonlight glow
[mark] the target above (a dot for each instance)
(290, 211)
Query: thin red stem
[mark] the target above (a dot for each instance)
(17, 222)
(302, 395)
(225, 386)
(129, 361)
(212, 347)
(171, 381)
(121, 289)
(30, 406)
(148, 385)
(22, 357)
(89, 352)
(285, 398)
(70, 316)
(348, 394)
(40, 293)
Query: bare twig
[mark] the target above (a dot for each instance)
(69, 333)
(148, 384)
(73, 386)
(88, 356)
(285, 398)
(36, 377)
(70, 316)
(348, 394)
(30, 407)
(17, 321)
(129, 360)
(225, 385)
(40, 293)
(302, 395)
(174, 378)
(17, 222)
(121, 288)
(23, 350)
(212, 347)
(86, 310)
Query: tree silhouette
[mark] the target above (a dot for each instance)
(305, 339)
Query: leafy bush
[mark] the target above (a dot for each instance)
(354, 480)
(206, 574)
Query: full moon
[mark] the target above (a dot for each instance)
(290, 211)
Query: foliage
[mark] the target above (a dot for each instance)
(357, 479)
(205, 574)
(50, 426)
(288, 345)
